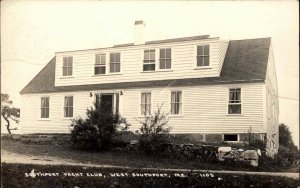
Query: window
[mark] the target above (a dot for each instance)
(45, 107)
(68, 107)
(100, 64)
(165, 58)
(114, 62)
(203, 55)
(234, 106)
(149, 60)
(145, 104)
(67, 66)
(176, 102)
(230, 137)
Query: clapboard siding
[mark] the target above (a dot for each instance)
(31, 121)
(204, 109)
(272, 103)
(183, 63)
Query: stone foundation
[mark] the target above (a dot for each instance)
(214, 138)
(252, 136)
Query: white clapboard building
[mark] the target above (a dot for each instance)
(214, 89)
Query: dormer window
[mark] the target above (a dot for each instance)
(202, 55)
(165, 58)
(149, 60)
(67, 66)
(100, 64)
(114, 63)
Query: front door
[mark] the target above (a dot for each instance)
(106, 102)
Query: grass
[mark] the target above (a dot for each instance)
(116, 158)
(121, 158)
(13, 175)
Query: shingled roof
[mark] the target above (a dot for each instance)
(245, 61)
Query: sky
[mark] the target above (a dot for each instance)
(32, 31)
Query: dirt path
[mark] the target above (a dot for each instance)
(10, 157)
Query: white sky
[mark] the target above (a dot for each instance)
(32, 31)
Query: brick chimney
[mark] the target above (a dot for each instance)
(139, 32)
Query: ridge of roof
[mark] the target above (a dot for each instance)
(181, 39)
(245, 61)
(200, 37)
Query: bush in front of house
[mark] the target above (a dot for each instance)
(287, 157)
(97, 130)
(154, 132)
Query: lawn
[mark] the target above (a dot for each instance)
(120, 158)
(16, 175)
(116, 158)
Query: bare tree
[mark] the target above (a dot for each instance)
(8, 112)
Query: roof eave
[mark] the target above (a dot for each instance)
(131, 85)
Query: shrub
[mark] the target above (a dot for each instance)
(253, 142)
(287, 157)
(125, 136)
(258, 144)
(154, 132)
(97, 130)
(284, 159)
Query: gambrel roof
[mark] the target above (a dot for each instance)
(245, 61)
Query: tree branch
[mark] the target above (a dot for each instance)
(8, 123)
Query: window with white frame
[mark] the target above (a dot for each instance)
(45, 107)
(145, 103)
(165, 58)
(114, 62)
(234, 104)
(68, 106)
(100, 64)
(149, 60)
(67, 66)
(202, 55)
(176, 102)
